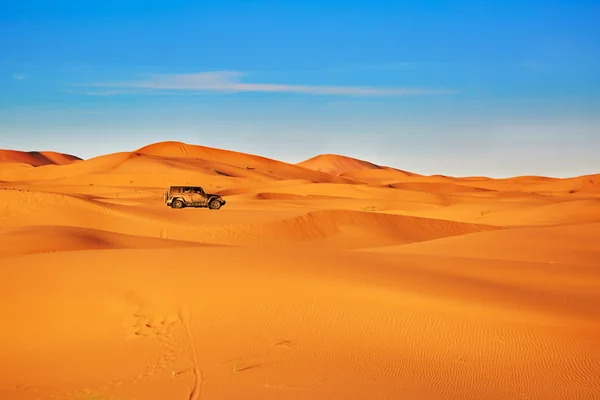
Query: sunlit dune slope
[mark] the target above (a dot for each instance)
(96, 165)
(337, 228)
(354, 229)
(378, 176)
(511, 209)
(36, 158)
(48, 238)
(360, 170)
(437, 187)
(289, 196)
(552, 213)
(364, 192)
(164, 163)
(570, 244)
(247, 323)
(336, 164)
(349, 229)
(262, 165)
(448, 184)
(33, 208)
(537, 184)
(337, 279)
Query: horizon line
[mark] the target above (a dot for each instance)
(296, 163)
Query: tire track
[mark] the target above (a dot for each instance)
(186, 318)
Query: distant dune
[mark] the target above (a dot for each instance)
(349, 167)
(239, 160)
(334, 278)
(336, 164)
(36, 158)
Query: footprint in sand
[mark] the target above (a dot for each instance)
(162, 328)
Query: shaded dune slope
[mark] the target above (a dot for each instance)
(49, 238)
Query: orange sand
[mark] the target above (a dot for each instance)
(331, 279)
(36, 158)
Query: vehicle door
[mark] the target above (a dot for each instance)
(196, 197)
(203, 199)
(188, 196)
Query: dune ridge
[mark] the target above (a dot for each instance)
(36, 158)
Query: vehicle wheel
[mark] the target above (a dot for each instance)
(177, 204)
(214, 205)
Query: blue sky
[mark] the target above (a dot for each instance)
(494, 88)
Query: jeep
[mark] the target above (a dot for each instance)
(192, 196)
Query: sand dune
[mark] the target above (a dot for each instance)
(289, 196)
(336, 164)
(436, 187)
(570, 245)
(533, 184)
(168, 158)
(354, 229)
(554, 213)
(293, 324)
(54, 172)
(378, 176)
(332, 279)
(48, 238)
(350, 167)
(240, 160)
(36, 158)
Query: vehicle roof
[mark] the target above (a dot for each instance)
(187, 186)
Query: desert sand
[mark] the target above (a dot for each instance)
(334, 278)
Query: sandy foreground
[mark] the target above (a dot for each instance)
(331, 279)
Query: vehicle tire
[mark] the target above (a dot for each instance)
(177, 204)
(214, 204)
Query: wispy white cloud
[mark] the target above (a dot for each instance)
(93, 93)
(231, 82)
(114, 92)
(18, 76)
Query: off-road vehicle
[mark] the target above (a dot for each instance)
(192, 196)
